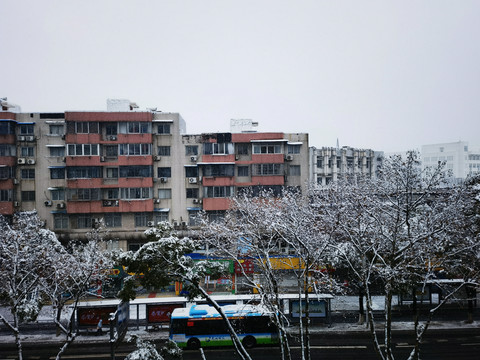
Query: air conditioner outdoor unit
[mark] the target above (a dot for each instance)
(107, 203)
(29, 138)
(163, 180)
(21, 138)
(150, 223)
(102, 158)
(193, 158)
(31, 161)
(21, 161)
(61, 206)
(288, 157)
(15, 181)
(48, 203)
(237, 157)
(157, 158)
(196, 201)
(192, 180)
(116, 203)
(113, 138)
(16, 204)
(64, 159)
(156, 201)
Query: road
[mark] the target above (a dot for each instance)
(458, 344)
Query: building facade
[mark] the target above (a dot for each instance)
(328, 164)
(461, 160)
(131, 169)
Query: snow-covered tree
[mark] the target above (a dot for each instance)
(398, 231)
(163, 260)
(29, 257)
(257, 229)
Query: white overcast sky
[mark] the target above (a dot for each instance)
(387, 75)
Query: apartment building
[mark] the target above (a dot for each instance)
(461, 160)
(131, 169)
(327, 164)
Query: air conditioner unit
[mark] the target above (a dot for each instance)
(16, 204)
(113, 138)
(63, 137)
(196, 201)
(29, 138)
(96, 221)
(64, 159)
(21, 161)
(192, 180)
(31, 161)
(289, 157)
(157, 158)
(193, 158)
(156, 201)
(107, 203)
(15, 182)
(150, 223)
(48, 203)
(102, 158)
(61, 206)
(155, 180)
(163, 180)
(116, 203)
(184, 224)
(21, 138)
(237, 157)
(175, 224)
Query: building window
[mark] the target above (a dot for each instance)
(6, 195)
(84, 172)
(294, 170)
(242, 149)
(267, 169)
(192, 193)
(319, 161)
(57, 194)
(191, 171)
(136, 193)
(163, 129)
(60, 221)
(113, 220)
(84, 221)
(294, 149)
(193, 218)
(111, 194)
(135, 127)
(28, 173)
(26, 129)
(57, 150)
(219, 170)
(163, 150)
(164, 172)
(142, 219)
(111, 129)
(242, 171)
(56, 130)
(83, 149)
(9, 150)
(7, 127)
(57, 173)
(218, 191)
(83, 194)
(28, 195)
(160, 217)
(111, 150)
(164, 193)
(191, 150)
(134, 247)
(112, 173)
(27, 151)
(135, 149)
(142, 171)
(85, 127)
(217, 215)
(267, 149)
(6, 172)
(218, 148)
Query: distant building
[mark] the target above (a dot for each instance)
(460, 159)
(133, 169)
(329, 163)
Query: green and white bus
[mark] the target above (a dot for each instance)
(201, 326)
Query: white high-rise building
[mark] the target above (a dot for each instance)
(460, 159)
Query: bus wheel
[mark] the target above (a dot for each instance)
(249, 342)
(193, 344)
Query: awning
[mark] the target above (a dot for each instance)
(58, 211)
(57, 167)
(194, 209)
(162, 121)
(294, 143)
(8, 120)
(161, 210)
(59, 122)
(25, 123)
(56, 188)
(51, 145)
(215, 163)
